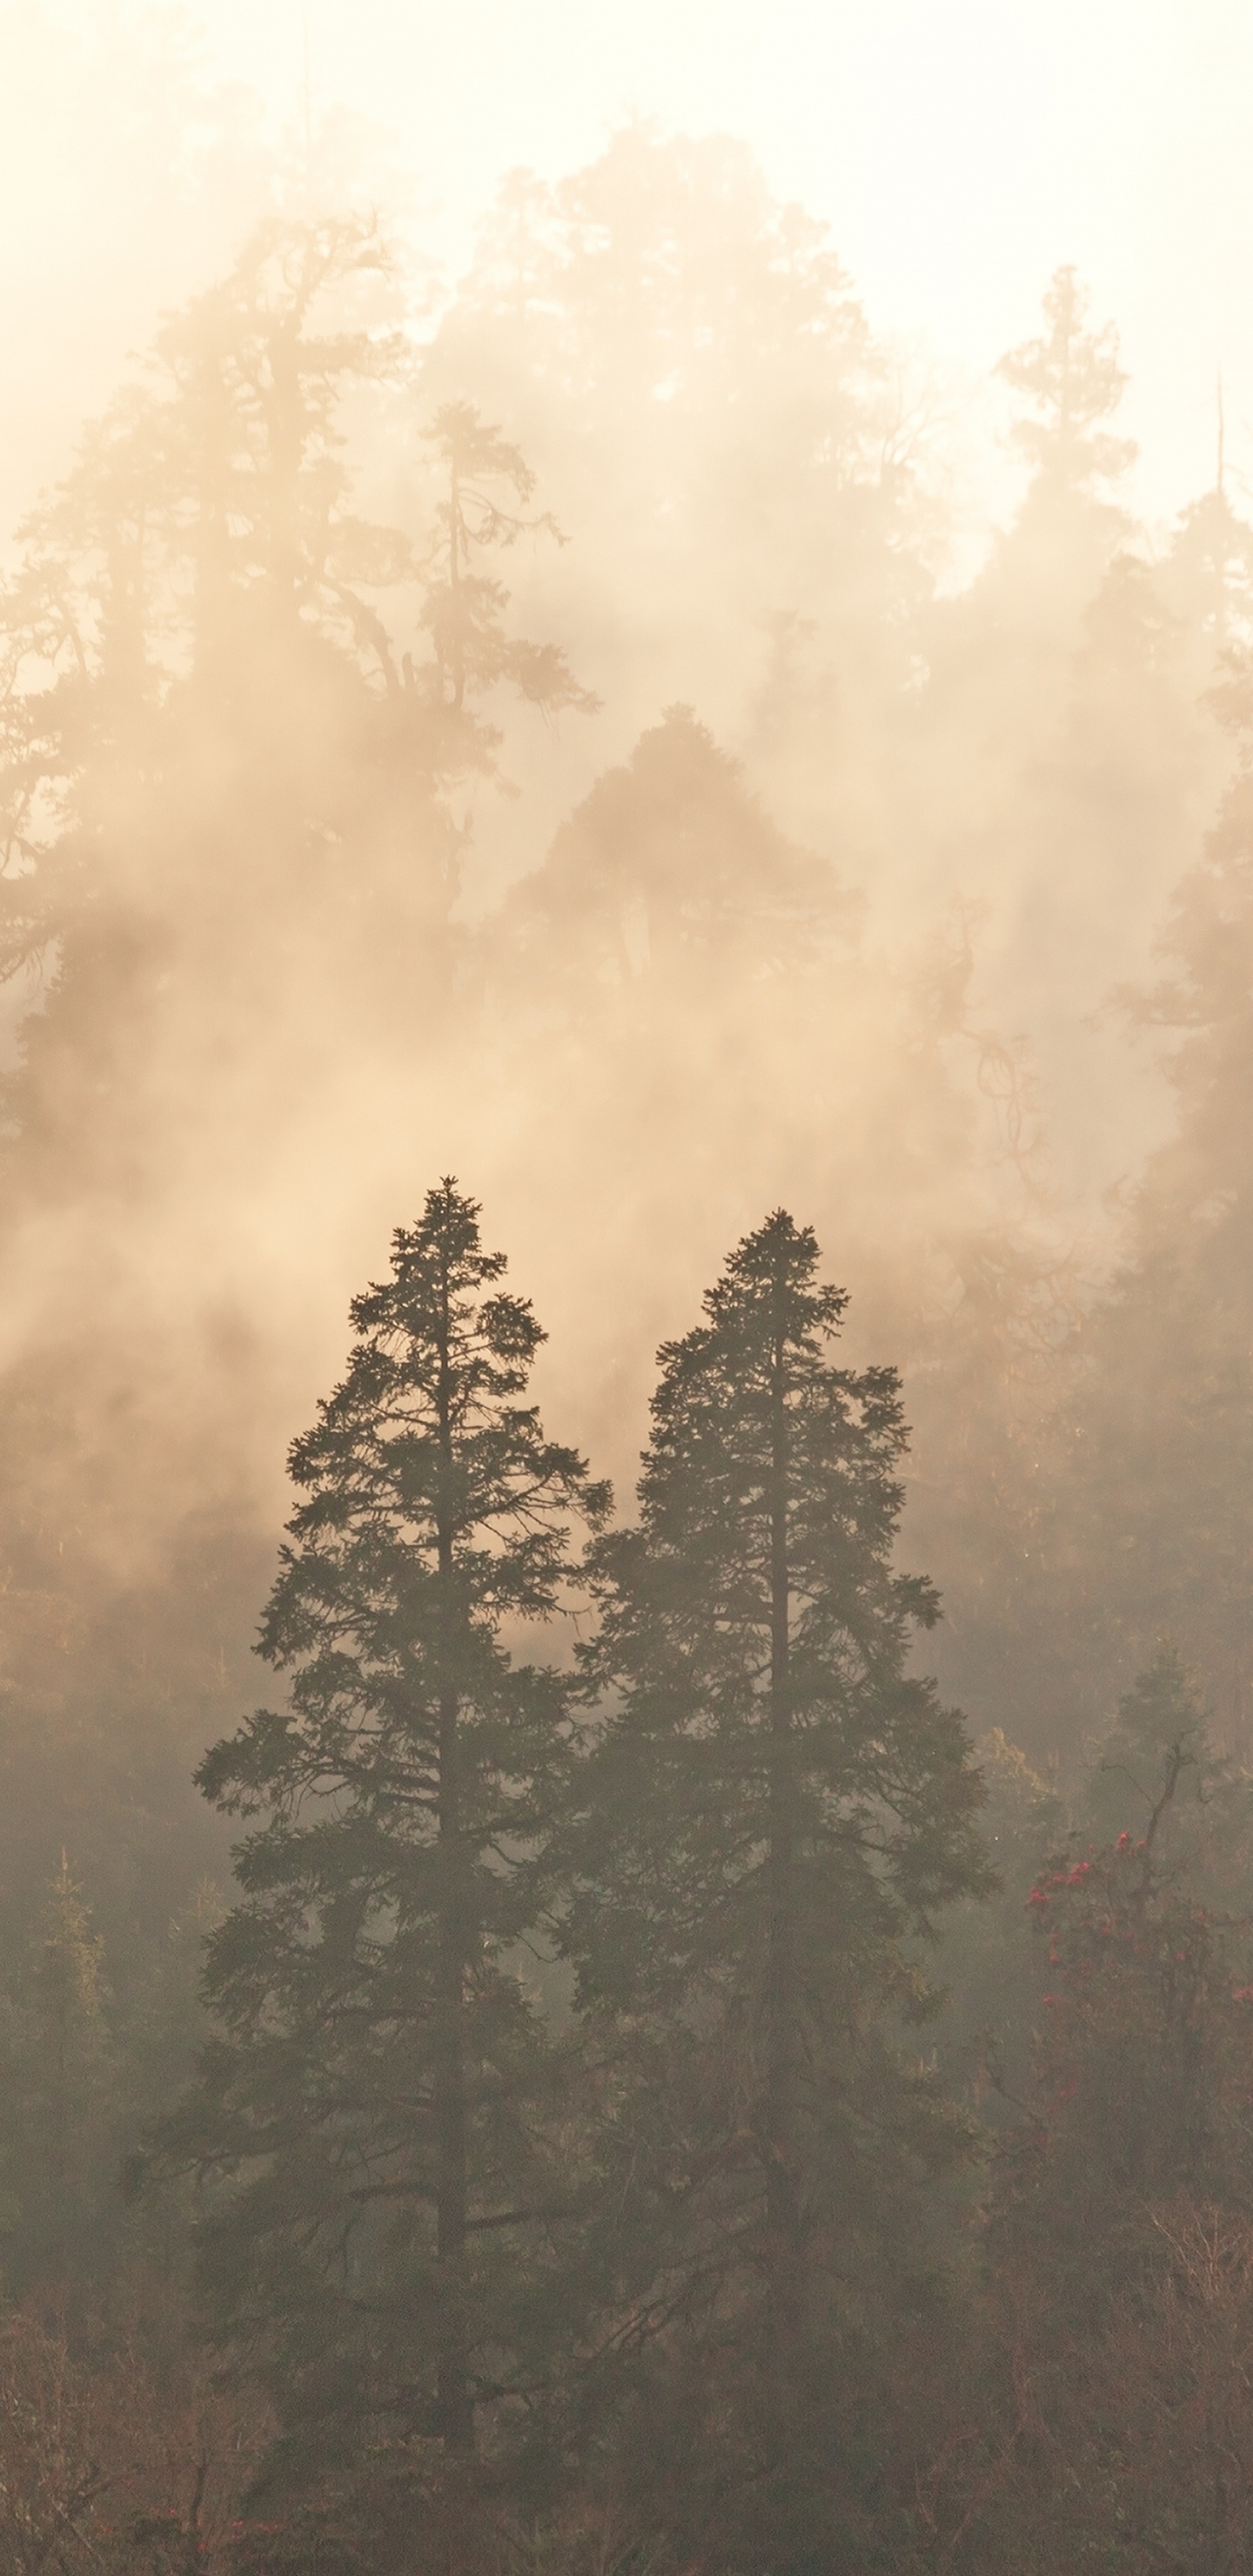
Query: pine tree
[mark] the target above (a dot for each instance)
(1073, 381)
(376, 2098)
(775, 1810)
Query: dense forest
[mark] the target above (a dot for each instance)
(707, 2024)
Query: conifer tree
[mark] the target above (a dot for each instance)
(375, 2098)
(1073, 381)
(775, 1810)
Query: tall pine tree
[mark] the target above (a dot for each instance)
(376, 2098)
(775, 1809)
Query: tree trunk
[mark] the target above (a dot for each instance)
(455, 2404)
(456, 2412)
(785, 2280)
(454, 584)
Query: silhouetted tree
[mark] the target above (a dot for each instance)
(775, 1811)
(376, 2103)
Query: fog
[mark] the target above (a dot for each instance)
(654, 615)
(974, 693)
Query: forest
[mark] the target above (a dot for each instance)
(705, 2027)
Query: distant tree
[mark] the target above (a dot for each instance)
(987, 1958)
(1205, 1833)
(375, 2107)
(208, 718)
(671, 873)
(227, 832)
(1105, 2408)
(1072, 380)
(774, 1813)
(666, 265)
(203, 798)
(1009, 641)
(1202, 1840)
(1151, 1506)
(1207, 579)
(1066, 702)
(686, 357)
(1144, 2038)
(1161, 1714)
(464, 606)
(200, 701)
(1002, 652)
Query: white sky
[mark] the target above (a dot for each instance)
(959, 149)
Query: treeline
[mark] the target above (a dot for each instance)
(541, 736)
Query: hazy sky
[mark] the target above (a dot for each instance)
(959, 148)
